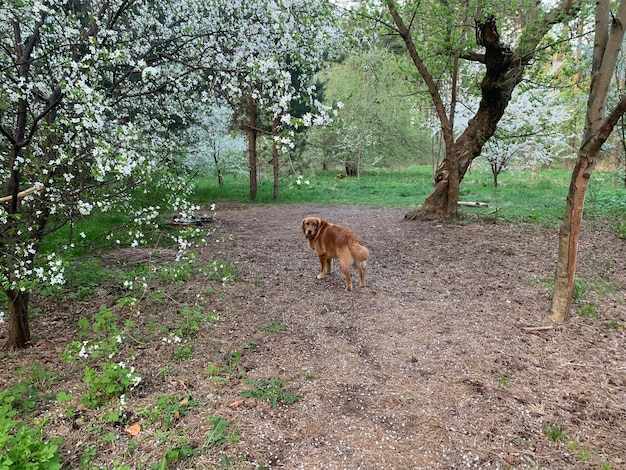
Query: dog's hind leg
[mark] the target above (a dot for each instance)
(360, 265)
(345, 261)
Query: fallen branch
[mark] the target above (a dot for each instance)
(21, 194)
(530, 329)
(473, 204)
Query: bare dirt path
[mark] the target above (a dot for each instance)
(442, 361)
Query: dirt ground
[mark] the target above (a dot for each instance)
(445, 359)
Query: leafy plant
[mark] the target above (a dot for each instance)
(555, 433)
(270, 390)
(22, 396)
(183, 451)
(589, 310)
(183, 352)
(220, 433)
(179, 271)
(107, 378)
(221, 271)
(167, 409)
(275, 327)
(24, 447)
(111, 380)
(215, 437)
(581, 288)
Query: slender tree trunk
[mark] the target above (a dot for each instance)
(19, 329)
(607, 45)
(569, 234)
(220, 179)
(275, 160)
(495, 172)
(252, 136)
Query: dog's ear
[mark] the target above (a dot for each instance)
(303, 221)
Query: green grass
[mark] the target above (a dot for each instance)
(518, 197)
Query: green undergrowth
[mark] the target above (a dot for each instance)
(519, 197)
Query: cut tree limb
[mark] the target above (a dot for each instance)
(21, 194)
(473, 204)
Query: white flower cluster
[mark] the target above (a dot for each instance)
(300, 182)
(172, 338)
(21, 272)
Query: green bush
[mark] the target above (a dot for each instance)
(22, 447)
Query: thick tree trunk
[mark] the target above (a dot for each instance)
(19, 329)
(352, 169)
(504, 70)
(252, 135)
(568, 241)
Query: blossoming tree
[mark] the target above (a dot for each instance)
(274, 49)
(92, 97)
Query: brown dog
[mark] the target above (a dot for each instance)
(333, 241)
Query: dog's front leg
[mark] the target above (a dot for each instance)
(323, 262)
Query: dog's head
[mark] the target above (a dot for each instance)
(310, 226)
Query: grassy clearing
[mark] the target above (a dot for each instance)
(519, 197)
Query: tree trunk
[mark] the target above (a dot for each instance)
(19, 329)
(607, 45)
(568, 241)
(275, 160)
(495, 173)
(252, 135)
(220, 179)
(352, 169)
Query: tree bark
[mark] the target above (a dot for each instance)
(352, 169)
(19, 328)
(607, 43)
(252, 136)
(275, 160)
(568, 241)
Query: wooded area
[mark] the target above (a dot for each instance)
(83, 142)
(111, 112)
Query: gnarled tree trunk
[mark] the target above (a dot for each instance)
(252, 135)
(504, 70)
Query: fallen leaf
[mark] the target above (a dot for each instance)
(236, 404)
(184, 402)
(133, 430)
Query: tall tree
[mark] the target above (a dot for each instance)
(80, 85)
(503, 69)
(276, 49)
(378, 116)
(609, 35)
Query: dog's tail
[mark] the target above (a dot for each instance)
(359, 253)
